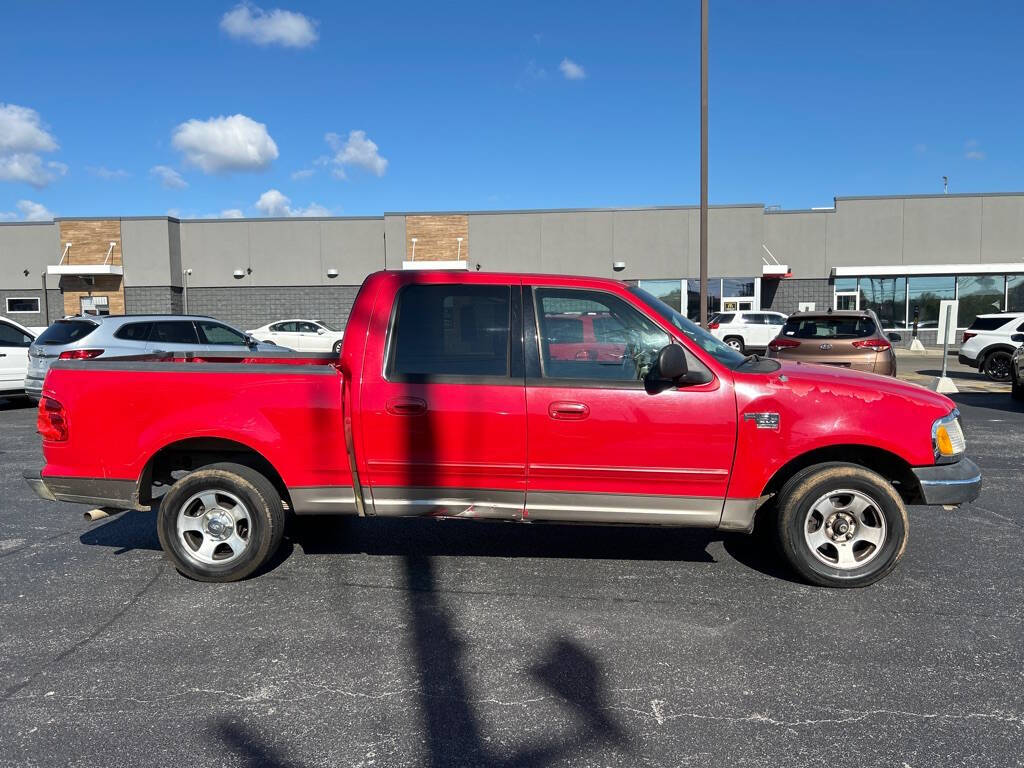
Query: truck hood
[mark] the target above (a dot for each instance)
(804, 377)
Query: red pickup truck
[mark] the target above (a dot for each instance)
(529, 398)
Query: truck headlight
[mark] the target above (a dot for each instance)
(948, 442)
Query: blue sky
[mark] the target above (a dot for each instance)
(356, 109)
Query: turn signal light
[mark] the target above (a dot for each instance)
(80, 354)
(52, 421)
(875, 345)
(779, 343)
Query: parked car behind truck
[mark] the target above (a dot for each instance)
(15, 340)
(851, 339)
(455, 396)
(105, 336)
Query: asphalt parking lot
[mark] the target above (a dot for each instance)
(459, 643)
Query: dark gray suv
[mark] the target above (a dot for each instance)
(90, 336)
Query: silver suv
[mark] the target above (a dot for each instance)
(92, 336)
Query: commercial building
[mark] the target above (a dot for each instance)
(896, 255)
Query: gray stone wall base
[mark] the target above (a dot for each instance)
(248, 307)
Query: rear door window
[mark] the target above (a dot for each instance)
(451, 330)
(134, 332)
(988, 323)
(724, 319)
(12, 337)
(829, 327)
(66, 332)
(174, 332)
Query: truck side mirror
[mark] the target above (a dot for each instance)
(671, 363)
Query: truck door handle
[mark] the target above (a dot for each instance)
(565, 411)
(406, 406)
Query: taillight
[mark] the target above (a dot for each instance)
(875, 345)
(80, 354)
(52, 421)
(712, 326)
(968, 335)
(779, 343)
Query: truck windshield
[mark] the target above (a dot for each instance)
(719, 350)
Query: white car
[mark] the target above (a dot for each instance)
(15, 339)
(987, 345)
(300, 335)
(747, 329)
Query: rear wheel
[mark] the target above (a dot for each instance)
(735, 342)
(997, 365)
(841, 525)
(221, 523)
(337, 348)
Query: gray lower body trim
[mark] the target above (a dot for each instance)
(119, 494)
(482, 503)
(738, 514)
(949, 483)
(327, 500)
(695, 511)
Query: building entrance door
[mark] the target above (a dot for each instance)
(95, 305)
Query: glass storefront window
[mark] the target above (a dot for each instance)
(693, 298)
(978, 295)
(924, 294)
(887, 296)
(1015, 293)
(737, 287)
(844, 284)
(669, 291)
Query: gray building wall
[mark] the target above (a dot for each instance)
(26, 247)
(147, 245)
(30, 319)
(248, 307)
(153, 300)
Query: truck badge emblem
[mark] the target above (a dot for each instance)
(764, 420)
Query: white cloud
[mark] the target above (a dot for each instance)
(357, 150)
(276, 204)
(275, 27)
(303, 174)
(21, 130)
(232, 213)
(571, 70)
(235, 143)
(168, 177)
(972, 150)
(107, 174)
(28, 210)
(22, 137)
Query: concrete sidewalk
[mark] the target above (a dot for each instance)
(921, 368)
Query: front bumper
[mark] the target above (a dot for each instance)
(119, 494)
(949, 483)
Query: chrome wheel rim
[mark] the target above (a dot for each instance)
(214, 527)
(845, 529)
(734, 344)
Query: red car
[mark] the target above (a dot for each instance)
(476, 395)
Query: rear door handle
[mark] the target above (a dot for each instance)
(566, 411)
(406, 406)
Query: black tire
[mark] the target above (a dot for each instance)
(337, 347)
(263, 527)
(798, 506)
(997, 365)
(736, 342)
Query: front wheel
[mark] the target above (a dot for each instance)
(221, 522)
(841, 525)
(997, 365)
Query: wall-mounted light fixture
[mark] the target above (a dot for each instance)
(459, 257)
(240, 273)
(618, 266)
(332, 273)
(24, 272)
(413, 249)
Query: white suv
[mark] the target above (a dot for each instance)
(987, 345)
(744, 329)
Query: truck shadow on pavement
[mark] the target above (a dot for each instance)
(567, 671)
(997, 401)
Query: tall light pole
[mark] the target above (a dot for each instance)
(704, 163)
